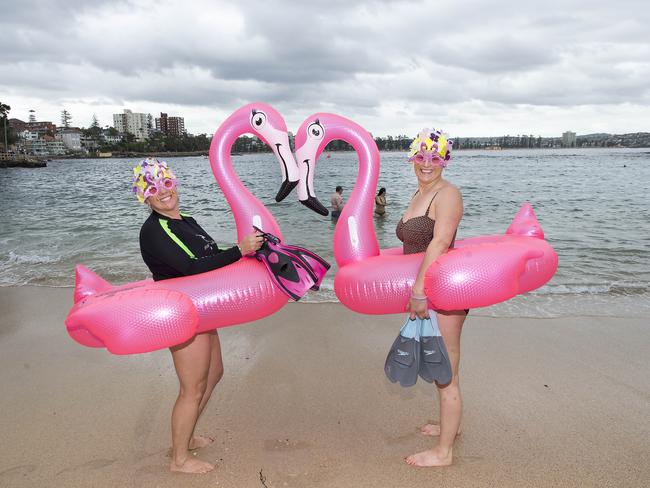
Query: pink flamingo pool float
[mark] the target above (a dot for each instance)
(477, 272)
(146, 315)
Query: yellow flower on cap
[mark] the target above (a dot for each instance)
(431, 145)
(151, 176)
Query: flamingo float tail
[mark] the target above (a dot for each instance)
(88, 283)
(501, 266)
(525, 223)
(157, 318)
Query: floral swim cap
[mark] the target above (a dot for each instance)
(151, 176)
(431, 145)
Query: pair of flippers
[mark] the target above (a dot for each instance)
(295, 270)
(418, 350)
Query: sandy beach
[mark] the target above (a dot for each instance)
(304, 402)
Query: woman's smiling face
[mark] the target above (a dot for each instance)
(164, 201)
(427, 171)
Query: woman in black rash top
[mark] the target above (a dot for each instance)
(174, 245)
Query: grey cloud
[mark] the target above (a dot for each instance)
(53, 13)
(352, 57)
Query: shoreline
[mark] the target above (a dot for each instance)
(206, 152)
(548, 402)
(529, 306)
(21, 161)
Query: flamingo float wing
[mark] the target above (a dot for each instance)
(130, 321)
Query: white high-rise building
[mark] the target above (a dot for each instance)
(71, 138)
(568, 139)
(133, 123)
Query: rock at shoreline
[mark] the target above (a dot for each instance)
(22, 163)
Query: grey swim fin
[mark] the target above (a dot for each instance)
(434, 360)
(402, 362)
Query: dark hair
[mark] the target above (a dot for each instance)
(382, 190)
(339, 188)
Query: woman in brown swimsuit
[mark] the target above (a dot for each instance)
(429, 225)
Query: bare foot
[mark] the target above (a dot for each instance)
(191, 465)
(432, 457)
(199, 441)
(433, 430)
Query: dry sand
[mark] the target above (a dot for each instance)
(304, 402)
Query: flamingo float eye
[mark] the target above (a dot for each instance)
(258, 119)
(315, 130)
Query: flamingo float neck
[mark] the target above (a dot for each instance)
(266, 123)
(354, 235)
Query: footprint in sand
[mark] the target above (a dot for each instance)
(284, 444)
(21, 470)
(94, 464)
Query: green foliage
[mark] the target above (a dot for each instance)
(6, 132)
(66, 118)
(94, 130)
(4, 110)
(388, 143)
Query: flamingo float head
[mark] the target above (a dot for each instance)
(354, 235)
(263, 121)
(267, 124)
(310, 143)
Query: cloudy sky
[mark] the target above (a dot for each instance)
(471, 67)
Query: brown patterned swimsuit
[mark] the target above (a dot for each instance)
(417, 232)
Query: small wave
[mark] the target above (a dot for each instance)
(32, 258)
(594, 289)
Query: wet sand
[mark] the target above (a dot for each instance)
(304, 403)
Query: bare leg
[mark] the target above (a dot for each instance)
(451, 404)
(433, 430)
(192, 362)
(215, 373)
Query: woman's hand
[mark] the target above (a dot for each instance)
(418, 304)
(419, 308)
(250, 243)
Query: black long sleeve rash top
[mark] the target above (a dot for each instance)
(180, 247)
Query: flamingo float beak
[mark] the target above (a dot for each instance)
(314, 204)
(309, 145)
(285, 189)
(279, 141)
(306, 184)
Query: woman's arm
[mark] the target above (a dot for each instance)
(160, 247)
(170, 253)
(449, 211)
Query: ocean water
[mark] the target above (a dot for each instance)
(593, 205)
